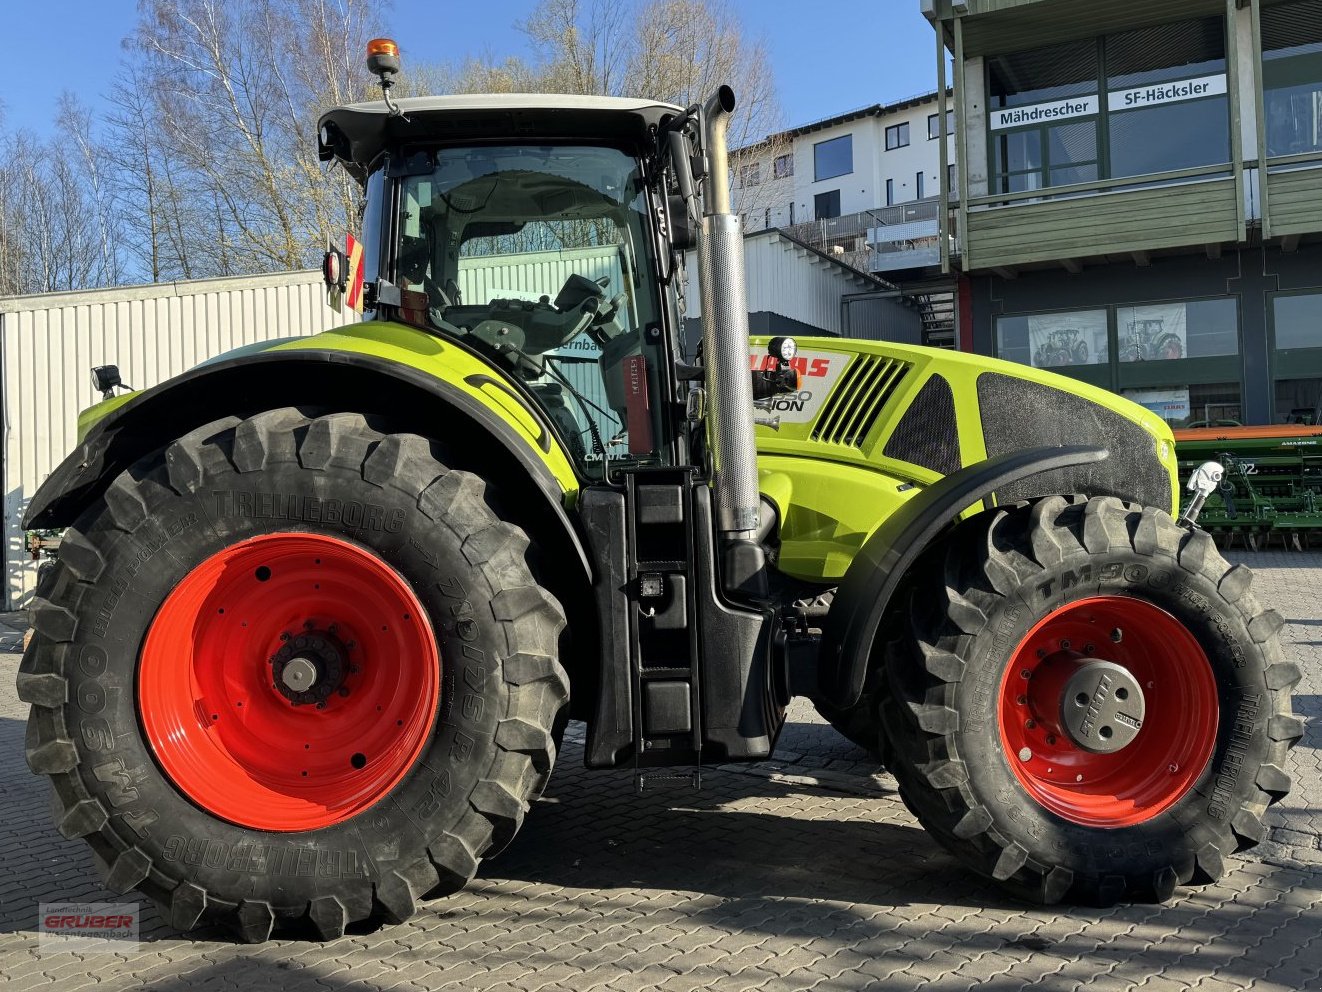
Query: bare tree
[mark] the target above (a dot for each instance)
(678, 51)
(235, 88)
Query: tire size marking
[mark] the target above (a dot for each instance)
(121, 583)
(263, 859)
(429, 803)
(1232, 765)
(308, 509)
(982, 687)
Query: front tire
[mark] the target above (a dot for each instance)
(1094, 705)
(293, 673)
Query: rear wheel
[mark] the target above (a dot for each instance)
(1094, 705)
(293, 673)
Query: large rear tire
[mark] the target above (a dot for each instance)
(1093, 705)
(293, 673)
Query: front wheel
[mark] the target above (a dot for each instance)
(293, 673)
(1094, 707)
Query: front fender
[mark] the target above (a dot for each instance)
(875, 573)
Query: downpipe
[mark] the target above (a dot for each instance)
(725, 346)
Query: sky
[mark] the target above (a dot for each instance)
(829, 56)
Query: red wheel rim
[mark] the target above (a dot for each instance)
(220, 682)
(1173, 744)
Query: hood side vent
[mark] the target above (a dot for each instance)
(862, 393)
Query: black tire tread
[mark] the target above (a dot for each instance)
(1016, 543)
(531, 618)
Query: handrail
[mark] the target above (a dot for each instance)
(1298, 158)
(1050, 192)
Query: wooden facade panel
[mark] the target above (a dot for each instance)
(1115, 223)
(1294, 201)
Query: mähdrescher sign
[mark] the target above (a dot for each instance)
(1152, 95)
(1158, 93)
(1044, 113)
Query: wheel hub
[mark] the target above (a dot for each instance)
(309, 668)
(1102, 707)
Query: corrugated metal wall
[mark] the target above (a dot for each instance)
(536, 273)
(49, 342)
(795, 282)
(542, 273)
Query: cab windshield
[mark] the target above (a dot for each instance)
(537, 256)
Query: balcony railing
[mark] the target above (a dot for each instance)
(883, 239)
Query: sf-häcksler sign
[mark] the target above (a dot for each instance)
(1151, 95)
(1178, 91)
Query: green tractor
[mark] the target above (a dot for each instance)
(324, 606)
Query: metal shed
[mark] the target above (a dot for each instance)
(49, 341)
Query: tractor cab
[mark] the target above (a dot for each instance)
(549, 258)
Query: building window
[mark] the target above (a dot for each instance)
(826, 205)
(1208, 404)
(1157, 332)
(1297, 321)
(952, 181)
(890, 192)
(934, 125)
(1166, 98)
(833, 158)
(1299, 401)
(1054, 340)
(918, 186)
(750, 174)
(1132, 104)
(782, 167)
(897, 136)
(1179, 359)
(1292, 77)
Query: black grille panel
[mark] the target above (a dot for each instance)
(862, 393)
(928, 434)
(1018, 414)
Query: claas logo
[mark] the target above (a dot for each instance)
(808, 368)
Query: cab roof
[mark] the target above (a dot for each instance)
(357, 133)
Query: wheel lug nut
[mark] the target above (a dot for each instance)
(1025, 754)
(1025, 674)
(1174, 768)
(1117, 635)
(1022, 700)
(1064, 645)
(1029, 725)
(1089, 648)
(1051, 738)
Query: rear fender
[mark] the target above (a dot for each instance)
(865, 591)
(523, 457)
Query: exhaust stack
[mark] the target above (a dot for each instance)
(725, 339)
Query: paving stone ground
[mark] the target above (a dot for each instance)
(801, 873)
